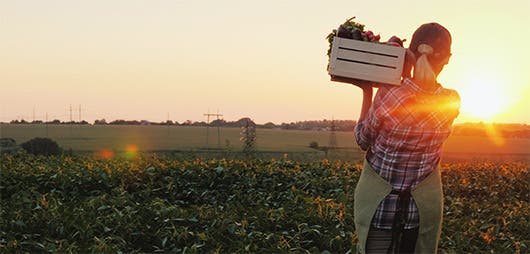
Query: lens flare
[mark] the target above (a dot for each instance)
(106, 154)
(494, 134)
(131, 150)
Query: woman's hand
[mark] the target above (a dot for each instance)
(363, 84)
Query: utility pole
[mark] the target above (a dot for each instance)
(71, 118)
(79, 113)
(332, 136)
(208, 128)
(33, 113)
(46, 123)
(218, 129)
(167, 123)
(71, 122)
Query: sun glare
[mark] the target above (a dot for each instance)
(483, 99)
(106, 154)
(131, 150)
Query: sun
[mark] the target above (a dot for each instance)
(483, 98)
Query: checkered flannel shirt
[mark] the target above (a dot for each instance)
(403, 135)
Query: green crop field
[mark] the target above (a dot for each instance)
(150, 204)
(195, 203)
(94, 138)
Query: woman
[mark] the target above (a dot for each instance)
(398, 199)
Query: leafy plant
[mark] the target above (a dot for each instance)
(158, 204)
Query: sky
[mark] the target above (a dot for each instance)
(160, 59)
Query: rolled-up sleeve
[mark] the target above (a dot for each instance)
(366, 131)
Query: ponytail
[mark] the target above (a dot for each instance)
(423, 72)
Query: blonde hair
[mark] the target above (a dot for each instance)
(423, 71)
(430, 45)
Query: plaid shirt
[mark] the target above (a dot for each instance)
(403, 134)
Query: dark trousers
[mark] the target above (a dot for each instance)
(379, 240)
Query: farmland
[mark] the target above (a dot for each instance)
(182, 200)
(93, 138)
(158, 204)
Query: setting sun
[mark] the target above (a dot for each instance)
(483, 99)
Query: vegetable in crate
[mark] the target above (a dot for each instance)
(354, 30)
(344, 33)
(350, 29)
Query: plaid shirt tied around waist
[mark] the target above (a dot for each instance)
(403, 135)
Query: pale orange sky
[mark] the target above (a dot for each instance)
(263, 59)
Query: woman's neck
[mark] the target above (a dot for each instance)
(427, 86)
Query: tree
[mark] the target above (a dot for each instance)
(41, 146)
(218, 122)
(243, 122)
(8, 145)
(269, 125)
(102, 121)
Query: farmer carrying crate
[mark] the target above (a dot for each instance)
(398, 199)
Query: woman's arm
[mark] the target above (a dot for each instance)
(363, 133)
(368, 91)
(367, 102)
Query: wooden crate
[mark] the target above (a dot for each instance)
(353, 59)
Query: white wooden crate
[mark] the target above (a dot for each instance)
(353, 59)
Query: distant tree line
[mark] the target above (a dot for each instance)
(55, 121)
(465, 129)
(324, 125)
(319, 125)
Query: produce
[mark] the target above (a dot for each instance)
(356, 31)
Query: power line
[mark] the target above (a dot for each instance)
(218, 130)
(167, 123)
(46, 123)
(332, 136)
(71, 113)
(208, 128)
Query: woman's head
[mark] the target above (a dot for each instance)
(431, 46)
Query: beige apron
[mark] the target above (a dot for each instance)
(372, 189)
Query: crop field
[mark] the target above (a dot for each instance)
(94, 138)
(162, 190)
(152, 203)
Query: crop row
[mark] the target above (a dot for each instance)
(153, 203)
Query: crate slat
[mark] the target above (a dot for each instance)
(369, 59)
(370, 46)
(352, 59)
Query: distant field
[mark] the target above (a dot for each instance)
(156, 138)
(153, 137)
